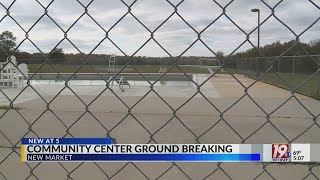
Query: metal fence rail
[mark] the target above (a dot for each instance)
(172, 113)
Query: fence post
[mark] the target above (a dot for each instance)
(267, 65)
(258, 70)
(237, 65)
(279, 65)
(318, 86)
(292, 74)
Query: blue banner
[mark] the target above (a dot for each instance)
(146, 157)
(66, 141)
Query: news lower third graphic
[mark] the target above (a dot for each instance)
(103, 150)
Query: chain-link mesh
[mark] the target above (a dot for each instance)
(293, 69)
(240, 114)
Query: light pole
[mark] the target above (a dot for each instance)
(258, 11)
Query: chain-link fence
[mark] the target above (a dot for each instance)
(292, 69)
(222, 107)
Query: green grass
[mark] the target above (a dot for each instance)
(103, 69)
(5, 107)
(290, 81)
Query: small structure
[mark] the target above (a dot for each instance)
(162, 70)
(112, 61)
(12, 75)
(122, 82)
(20, 75)
(215, 64)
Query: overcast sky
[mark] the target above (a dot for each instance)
(175, 35)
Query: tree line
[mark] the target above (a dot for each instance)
(298, 52)
(58, 56)
(291, 48)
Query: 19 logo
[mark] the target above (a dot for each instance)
(280, 152)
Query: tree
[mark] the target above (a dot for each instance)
(220, 55)
(22, 55)
(7, 43)
(57, 54)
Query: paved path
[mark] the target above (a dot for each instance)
(196, 120)
(228, 86)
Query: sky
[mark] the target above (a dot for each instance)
(175, 35)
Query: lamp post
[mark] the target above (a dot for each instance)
(258, 11)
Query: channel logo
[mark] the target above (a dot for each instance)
(280, 152)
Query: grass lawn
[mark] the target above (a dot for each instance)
(290, 81)
(103, 69)
(5, 107)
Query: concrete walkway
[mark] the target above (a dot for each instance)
(109, 114)
(228, 86)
